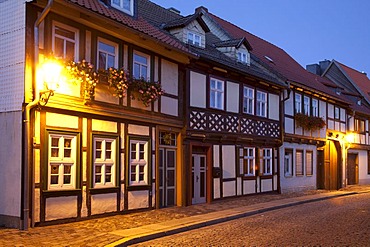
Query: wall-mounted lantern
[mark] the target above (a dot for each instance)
(50, 75)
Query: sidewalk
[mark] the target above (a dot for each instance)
(123, 230)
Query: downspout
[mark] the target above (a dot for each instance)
(28, 140)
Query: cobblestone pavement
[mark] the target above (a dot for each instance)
(95, 232)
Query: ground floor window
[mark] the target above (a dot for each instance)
(288, 163)
(309, 163)
(299, 163)
(138, 162)
(62, 160)
(247, 161)
(266, 161)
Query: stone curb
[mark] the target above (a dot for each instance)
(153, 234)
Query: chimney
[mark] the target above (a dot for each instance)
(201, 8)
(324, 65)
(314, 68)
(173, 10)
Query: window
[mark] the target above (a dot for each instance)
(126, 6)
(315, 107)
(299, 163)
(288, 163)
(217, 94)
(267, 161)
(166, 138)
(247, 160)
(336, 113)
(64, 42)
(62, 161)
(248, 100)
(194, 39)
(309, 163)
(107, 54)
(359, 125)
(298, 103)
(138, 153)
(104, 158)
(242, 57)
(306, 105)
(261, 108)
(141, 66)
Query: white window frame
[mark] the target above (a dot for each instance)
(75, 41)
(194, 39)
(242, 56)
(288, 162)
(336, 113)
(267, 161)
(248, 100)
(248, 168)
(138, 163)
(315, 107)
(216, 94)
(104, 161)
(61, 161)
(120, 6)
(107, 53)
(298, 103)
(306, 105)
(141, 65)
(261, 107)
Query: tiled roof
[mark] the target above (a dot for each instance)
(277, 59)
(234, 43)
(136, 23)
(360, 79)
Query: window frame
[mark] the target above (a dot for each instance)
(315, 107)
(306, 105)
(267, 160)
(309, 165)
(336, 113)
(301, 165)
(192, 40)
(110, 43)
(261, 104)
(298, 103)
(248, 99)
(75, 41)
(148, 65)
(121, 6)
(62, 161)
(146, 162)
(215, 91)
(242, 57)
(359, 126)
(248, 158)
(288, 157)
(113, 162)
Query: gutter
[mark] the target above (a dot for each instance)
(28, 140)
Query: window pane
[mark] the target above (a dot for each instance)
(67, 169)
(102, 60)
(54, 169)
(126, 4)
(144, 72)
(64, 32)
(55, 152)
(136, 70)
(141, 151)
(133, 151)
(70, 50)
(140, 59)
(59, 47)
(108, 48)
(54, 179)
(111, 61)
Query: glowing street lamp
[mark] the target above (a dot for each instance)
(50, 75)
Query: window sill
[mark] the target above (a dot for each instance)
(61, 192)
(103, 190)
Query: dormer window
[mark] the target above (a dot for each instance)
(242, 57)
(194, 39)
(126, 6)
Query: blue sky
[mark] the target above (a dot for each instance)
(308, 30)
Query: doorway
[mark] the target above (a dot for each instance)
(332, 165)
(198, 171)
(167, 177)
(352, 169)
(320, 169)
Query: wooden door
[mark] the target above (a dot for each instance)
(199, 168)
(332, 166)
(320, 169)
(352, 169)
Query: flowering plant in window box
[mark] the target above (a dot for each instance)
(145, 91)
(309, 122)
(118, 80)
(84, 73)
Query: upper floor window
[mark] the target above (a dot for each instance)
(306, 105)
(141, 65)
(261, 108)
(104, 158)
(216, 94)
(65, 41)
(315, 107)
(62, 161)
(126, 6)
(267, 161)
(138, 162)
(298, 103)
(107, 54)
(194, 39)
(336, 113)
(248, 100)
(247, 162)
(359, 125)
(242, 57)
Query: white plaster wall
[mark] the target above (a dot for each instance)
(170, 77)
(103, 203)
(229, 189)
(138, 130)
(12, 54)
(297, 183)
(239, 185)
(289, 125)
(84, 210)
(249, 187)
(36, 155)
(228, 161)
(101, 125)
(169, 106)
(10, 162)
(138, 199)
(330, 110)
(36, 208)
(216, 156)
(61, 208)
(197, 90)
(275, 184)
(216, 188)
(274, 106)
(61, 120)
(232, 101)
(364, 177)
(105, 94)
(266, 185)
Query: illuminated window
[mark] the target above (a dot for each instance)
(65, 42)
(138, 167)
(62, 161)
(248, 100)
(247, 161)
(217, 94)
(141, 65)
(107, 54)
(104, 162)
(359, 125)
(126, 6)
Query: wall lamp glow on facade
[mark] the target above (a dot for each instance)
(45, 96)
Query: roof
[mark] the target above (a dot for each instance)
(357, 77)
(184, 21)
(234, 43)
(278, 60)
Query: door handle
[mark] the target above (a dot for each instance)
(197, 179)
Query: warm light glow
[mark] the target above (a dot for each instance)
(350, 138)
(50, 74)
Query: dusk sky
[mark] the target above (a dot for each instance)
(308, 30)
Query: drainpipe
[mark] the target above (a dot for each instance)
(28, 140)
